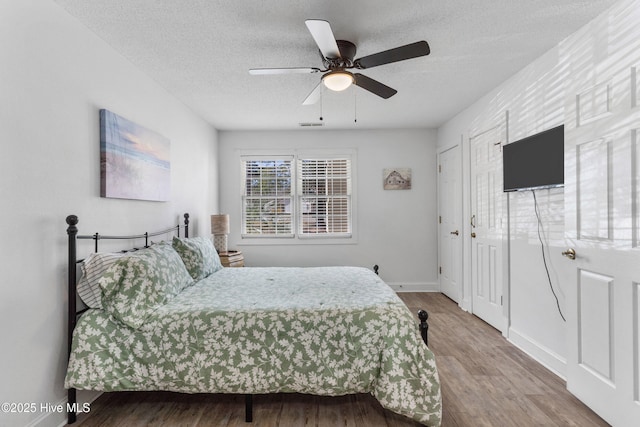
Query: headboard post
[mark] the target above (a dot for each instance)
(186, 225)
(72, 231)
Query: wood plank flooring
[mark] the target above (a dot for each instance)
(485, 380)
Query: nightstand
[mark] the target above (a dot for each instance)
(231, 259)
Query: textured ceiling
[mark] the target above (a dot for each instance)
(201, 51)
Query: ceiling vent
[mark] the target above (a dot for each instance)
(305, 125)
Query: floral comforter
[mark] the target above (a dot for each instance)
(323, 331)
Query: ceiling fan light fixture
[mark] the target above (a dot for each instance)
(338, 80)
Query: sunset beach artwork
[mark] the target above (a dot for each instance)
(134, 161)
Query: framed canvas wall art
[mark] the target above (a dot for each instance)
(134, 161)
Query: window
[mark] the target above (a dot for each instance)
(297, 196)
(325, 197)
(267, 197)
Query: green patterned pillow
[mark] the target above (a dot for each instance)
(136, 285)
(198, 255)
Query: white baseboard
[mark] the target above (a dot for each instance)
(414, 287)
(59, 419)
(465, 305)
(548, 358)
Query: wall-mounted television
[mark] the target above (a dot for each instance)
(536, 161)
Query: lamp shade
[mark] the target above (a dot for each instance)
(220, 224)
(338, 80)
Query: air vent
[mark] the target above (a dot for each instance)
(311, 124)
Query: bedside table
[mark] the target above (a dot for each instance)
(231, 259)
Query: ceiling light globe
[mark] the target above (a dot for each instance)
(338, 80)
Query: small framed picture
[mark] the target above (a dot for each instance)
(397, 179)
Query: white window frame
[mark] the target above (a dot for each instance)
(296, 237)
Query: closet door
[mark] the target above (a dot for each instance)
(450, 222)
(487, 224)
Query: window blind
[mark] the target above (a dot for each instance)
(324, 198)
(267, 196)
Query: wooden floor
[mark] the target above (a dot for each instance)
(485, 382)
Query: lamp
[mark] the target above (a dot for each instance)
(338, 80)
(220, 230)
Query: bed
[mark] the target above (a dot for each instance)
(324, 331)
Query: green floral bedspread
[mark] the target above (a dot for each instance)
(324, 331)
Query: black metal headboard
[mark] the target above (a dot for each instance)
(72, 231)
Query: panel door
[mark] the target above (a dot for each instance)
(601, 222)
(487, 224)
(450, 222)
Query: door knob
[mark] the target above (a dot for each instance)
(473, 235)
(455, 232)
(570, 253)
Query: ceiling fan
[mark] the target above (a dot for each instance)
(337, 58)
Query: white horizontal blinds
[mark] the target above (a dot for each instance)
(268, 197)
(324, 197)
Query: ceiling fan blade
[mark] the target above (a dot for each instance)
(401, 53)
(374, 86)
(313, 97)
(269, 71)
(321, 32)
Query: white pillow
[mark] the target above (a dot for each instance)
(93, 268)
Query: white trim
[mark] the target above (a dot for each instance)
(59, 419)
(545, 356)
(281, 241)
(506, 247)
(415, 287)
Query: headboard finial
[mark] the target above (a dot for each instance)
(72, 220)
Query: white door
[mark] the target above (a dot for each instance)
(602, 226)
(487, 224)
(450, 222)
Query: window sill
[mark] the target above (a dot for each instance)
(296, 241)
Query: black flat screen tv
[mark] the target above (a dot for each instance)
(536, 161)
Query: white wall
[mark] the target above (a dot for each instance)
(54, 77)
(535, 99)
(395, 229)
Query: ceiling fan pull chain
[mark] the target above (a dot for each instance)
(355, 106)
(321, 90)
